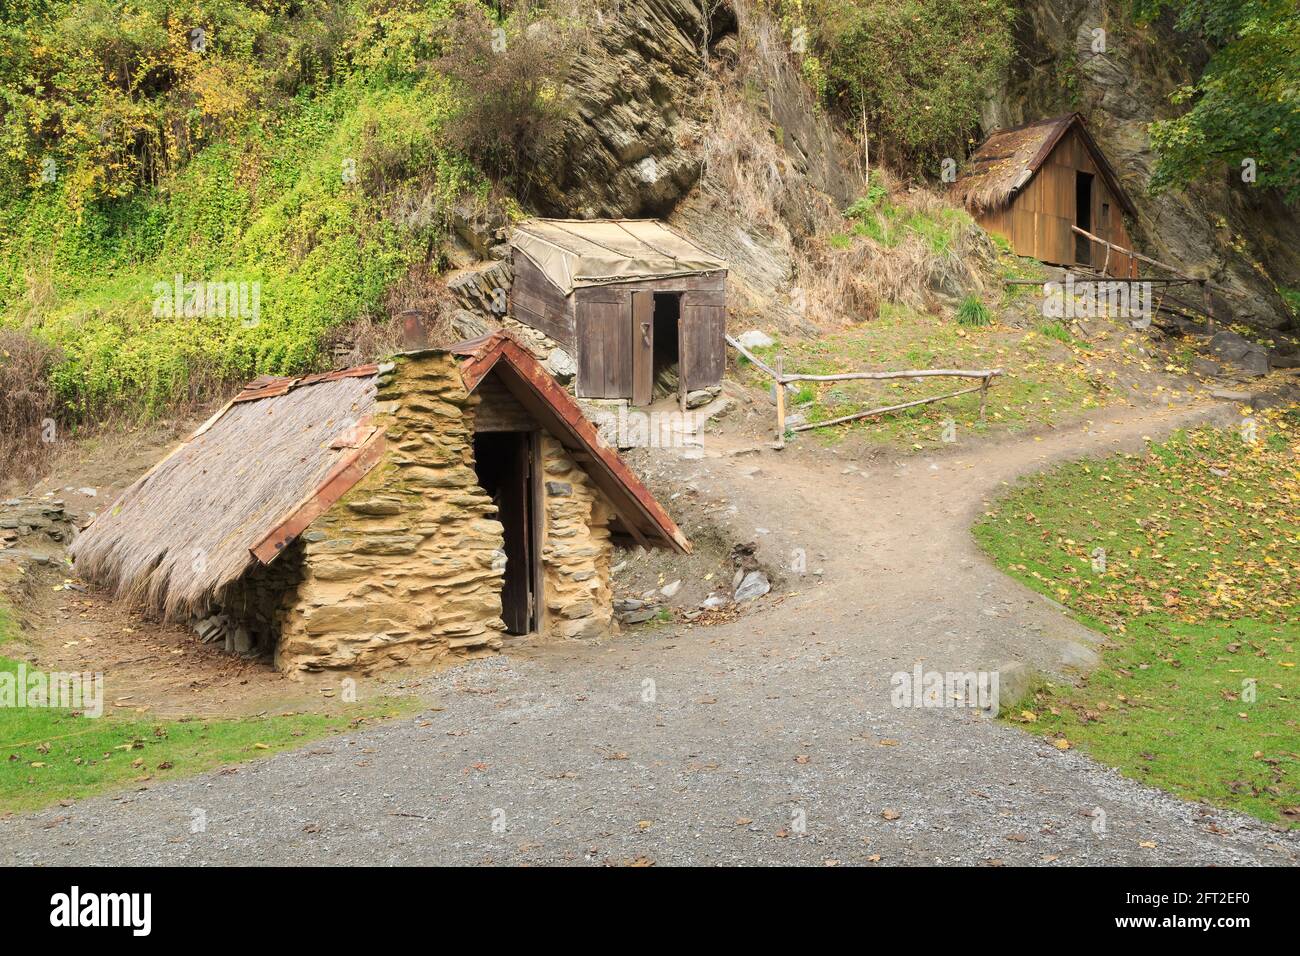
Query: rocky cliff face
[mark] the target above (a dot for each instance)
(695, 111)
(1241, 237)
(682, 106)
(631, 147)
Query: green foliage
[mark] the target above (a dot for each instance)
(973, 313)
(1246, 103)
(1055, 330)
(877, 197)
(110, 95)
(317, 176)
(878, 219)
(919, 69)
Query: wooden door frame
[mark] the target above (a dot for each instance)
(682, 339)
(529, 450)
(537, 529)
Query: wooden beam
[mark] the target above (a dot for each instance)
(1135, 255)
(780, 402)
(887, 408)
(914, 373)
(749, 355)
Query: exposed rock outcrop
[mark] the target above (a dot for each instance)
(632, 147)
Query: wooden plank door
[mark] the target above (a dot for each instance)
(643, 347)
(702, 352)
(604, 344)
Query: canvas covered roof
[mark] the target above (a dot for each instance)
(279, 454)
(582, 252)
(1005, 162)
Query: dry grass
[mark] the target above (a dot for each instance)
(181, 534)
(27, 426)
(995, 168)
(750, 178)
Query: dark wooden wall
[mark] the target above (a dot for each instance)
(1037, 221)
(498, 410)
(535, 301)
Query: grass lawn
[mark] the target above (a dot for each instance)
(1188, 559)
(1044, 381)
(49, 755)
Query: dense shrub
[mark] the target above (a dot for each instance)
(1242, 108)
(510, 73)
(918, 70)
(332, 174)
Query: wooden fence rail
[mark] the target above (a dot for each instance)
(985, 375)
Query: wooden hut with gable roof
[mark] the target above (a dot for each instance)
(626, 298)
(1031, 184)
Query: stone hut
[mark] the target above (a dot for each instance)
(383, 515)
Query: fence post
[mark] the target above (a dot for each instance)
(780, 401)
(984, 394)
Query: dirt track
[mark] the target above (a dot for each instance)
(768, 740)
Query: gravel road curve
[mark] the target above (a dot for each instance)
(769, 740)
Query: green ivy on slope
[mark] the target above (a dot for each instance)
(309, 202)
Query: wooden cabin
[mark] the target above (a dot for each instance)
(627, 298)
(1032, 183)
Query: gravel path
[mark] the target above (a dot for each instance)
(770, 740)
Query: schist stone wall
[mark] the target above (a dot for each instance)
(408, 566)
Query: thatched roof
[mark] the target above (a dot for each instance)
(182, 532)
(256, 474)
(1006, 162)
(581, 252)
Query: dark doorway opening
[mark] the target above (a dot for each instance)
(503, 462)
(667, 354)
(1083, 216)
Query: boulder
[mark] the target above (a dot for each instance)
(1014, 682)
(753, 585)
(1243, 354)
(638, 616)
(561, 364)
(754, 339)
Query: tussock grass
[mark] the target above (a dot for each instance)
(973, 313)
